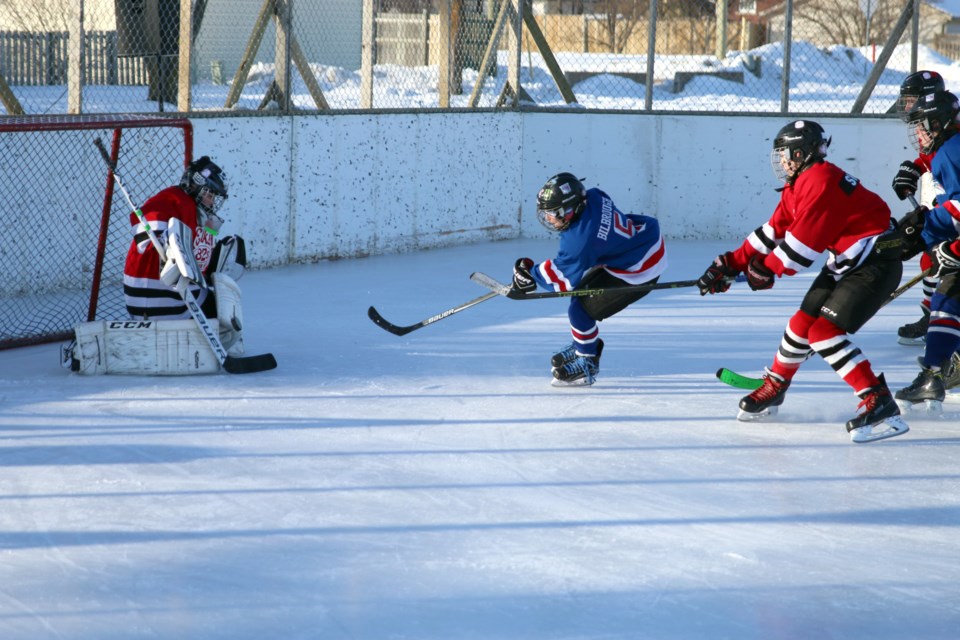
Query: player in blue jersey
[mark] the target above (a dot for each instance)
(933, 124)
(600, 247)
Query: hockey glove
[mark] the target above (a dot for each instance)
(907, 178)
(946, 259)
(758, 275)
(717, 277)
(523, 281)
(908, 229)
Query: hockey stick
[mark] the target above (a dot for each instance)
(506, 290)
(230, 364)
(739, 381)
(397, 330)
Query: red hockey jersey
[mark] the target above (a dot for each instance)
(825, 209)
(146, 295)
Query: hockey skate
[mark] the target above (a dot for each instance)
(764, 402)
(926, 389)
(581, 371)
(880, 418)
(951, 372)
(914, 333)
(569, 353)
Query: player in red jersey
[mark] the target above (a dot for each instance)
(822, 208)
(185, 218)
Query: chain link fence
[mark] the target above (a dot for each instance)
(188, 56)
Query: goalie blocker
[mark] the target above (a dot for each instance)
(167, 347)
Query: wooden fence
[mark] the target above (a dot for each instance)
(35, 59)
(408, 38)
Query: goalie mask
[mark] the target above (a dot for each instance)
(797, 146)
(206, 183)
(932, 121)
(560, 201)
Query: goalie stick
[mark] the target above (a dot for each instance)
(230, 364)
(506, 290)
(739, 381)
(398, 330)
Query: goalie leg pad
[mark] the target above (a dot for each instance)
(142, 347)
(229, 312)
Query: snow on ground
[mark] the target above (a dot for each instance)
(822, 80)
(435, 486)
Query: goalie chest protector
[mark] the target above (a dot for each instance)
(142, 347)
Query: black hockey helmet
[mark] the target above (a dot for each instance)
(206, 183)
(915, 85)
(933, 120)
(560, 201)
(797, 146)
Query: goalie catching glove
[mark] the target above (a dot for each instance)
(717, 277)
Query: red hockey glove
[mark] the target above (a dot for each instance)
(523, 282)
(946, 259)
(717, 277)
(907, 178)
(758, 275)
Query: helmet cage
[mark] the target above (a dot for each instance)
(797, 146)
(932, 120)
(206, 183)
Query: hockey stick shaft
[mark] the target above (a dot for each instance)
(505, 289)
(398, 330)
(229, 363)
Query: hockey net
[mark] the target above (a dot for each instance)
(65, 228)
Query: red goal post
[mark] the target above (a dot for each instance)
(64, 233)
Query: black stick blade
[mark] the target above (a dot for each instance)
(384, 324)
(250, 364)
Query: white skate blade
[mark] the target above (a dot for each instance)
(760, 416)
(913, 342)
(579, 382)
(892, 426)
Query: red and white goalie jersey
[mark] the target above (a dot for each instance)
(147, 296)
(825, 209)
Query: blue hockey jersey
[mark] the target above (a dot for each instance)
(943, 221)
(628, 246)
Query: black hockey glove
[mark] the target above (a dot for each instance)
(946, 259)
(717, 277)
(907, 178)
(758, 275)
(908, 229)
(523, 282)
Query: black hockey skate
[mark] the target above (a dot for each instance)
(581, 371)
(880, 418)
(914, 333)
(951, 371)
(927, 389)
(765, 400)
(569, 353)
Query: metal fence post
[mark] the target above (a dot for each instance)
(787, 40)
(651, 56)
(75, 60)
